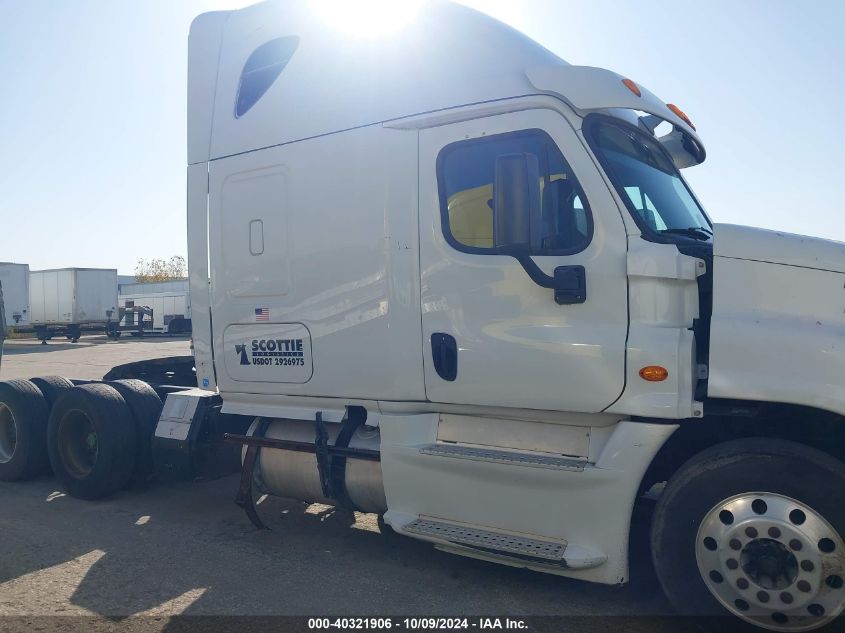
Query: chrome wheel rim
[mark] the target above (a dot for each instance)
(8, 434)
(772, 561)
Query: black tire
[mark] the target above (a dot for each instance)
(23, 423)
(98, 467)
(145, 406)
(52, 387)
(749, 467)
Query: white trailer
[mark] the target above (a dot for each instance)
(171, 310)
(67, 300)
(445, 276)
(153, 287)
(15, 280)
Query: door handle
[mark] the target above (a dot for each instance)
(444, 352)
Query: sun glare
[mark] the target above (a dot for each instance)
(367, 18)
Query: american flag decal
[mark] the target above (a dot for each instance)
(262, 314)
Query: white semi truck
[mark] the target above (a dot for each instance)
(445, 276)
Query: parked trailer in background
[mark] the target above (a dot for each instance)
(153, 287)
(452, 279)
(171, 311)
(15, 280)
(67, 301)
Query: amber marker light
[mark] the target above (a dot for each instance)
(630, 85)
(654, 373)
(680, 113)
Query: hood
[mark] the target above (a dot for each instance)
(777, 247)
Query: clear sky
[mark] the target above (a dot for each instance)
(92, 111)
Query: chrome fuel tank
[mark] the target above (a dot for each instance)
(294, 474)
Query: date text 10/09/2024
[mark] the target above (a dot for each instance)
(418, 624)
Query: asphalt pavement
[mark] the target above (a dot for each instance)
(145, 555)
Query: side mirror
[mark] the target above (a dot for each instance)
(517, 226)
(516, 202)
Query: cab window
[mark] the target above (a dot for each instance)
(465, 178)
(647, 180)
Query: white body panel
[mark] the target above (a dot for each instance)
(165, 306)
(663, 303)
(778, 327)
(761, 245)
(73, 295)
(569, 506)
(199, 275)
(337, 255)
(15, 281)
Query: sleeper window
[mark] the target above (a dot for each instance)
(261, 69)
(466, 172)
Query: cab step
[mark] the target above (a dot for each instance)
(494, 541)
(533, 460)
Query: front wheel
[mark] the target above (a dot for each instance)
(754, 528)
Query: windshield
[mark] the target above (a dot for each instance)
(648, 181)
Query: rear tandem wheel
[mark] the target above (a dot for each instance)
(91, 441)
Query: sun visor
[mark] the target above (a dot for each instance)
(589, 89)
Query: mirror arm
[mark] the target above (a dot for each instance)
(569, 282)
(535, 272)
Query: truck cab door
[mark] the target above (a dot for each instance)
(523, 289)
